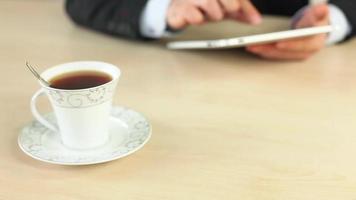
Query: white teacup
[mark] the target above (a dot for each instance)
(82, 115)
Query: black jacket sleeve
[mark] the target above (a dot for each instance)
(279, 7)
(116, 17)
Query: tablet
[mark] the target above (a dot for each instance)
(249, 40)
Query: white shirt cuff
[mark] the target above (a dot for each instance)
(342, 27)
(153, 18)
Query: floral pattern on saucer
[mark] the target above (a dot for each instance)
(130, 131)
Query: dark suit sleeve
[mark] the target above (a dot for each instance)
(279, 7)
(115, 17)
(349, 9)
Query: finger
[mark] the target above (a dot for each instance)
(239, 16)
(306, 44)
(260, 47)
(285, 56)
(250, 13)
(211, 8)
(175, 19)
(194, 16)
(230, 6)
(270, 52)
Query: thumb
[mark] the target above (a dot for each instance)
(321, 11)
(314, 16)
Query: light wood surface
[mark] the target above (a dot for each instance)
(226, 125)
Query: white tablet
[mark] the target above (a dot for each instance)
(249, 40)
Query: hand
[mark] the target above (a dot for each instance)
(301, 48)
(182, 13)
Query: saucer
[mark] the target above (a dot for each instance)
(129, 131)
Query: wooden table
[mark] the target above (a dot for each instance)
(226, 125)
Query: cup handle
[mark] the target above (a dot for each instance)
(37, 115)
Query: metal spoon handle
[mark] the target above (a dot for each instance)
(36, 74)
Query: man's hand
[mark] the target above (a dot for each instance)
(182, 13)
(301, 48)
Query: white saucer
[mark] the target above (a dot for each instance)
(129, 131)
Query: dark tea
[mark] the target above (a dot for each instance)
(79, 80)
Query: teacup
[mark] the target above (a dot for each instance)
(82, 114)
